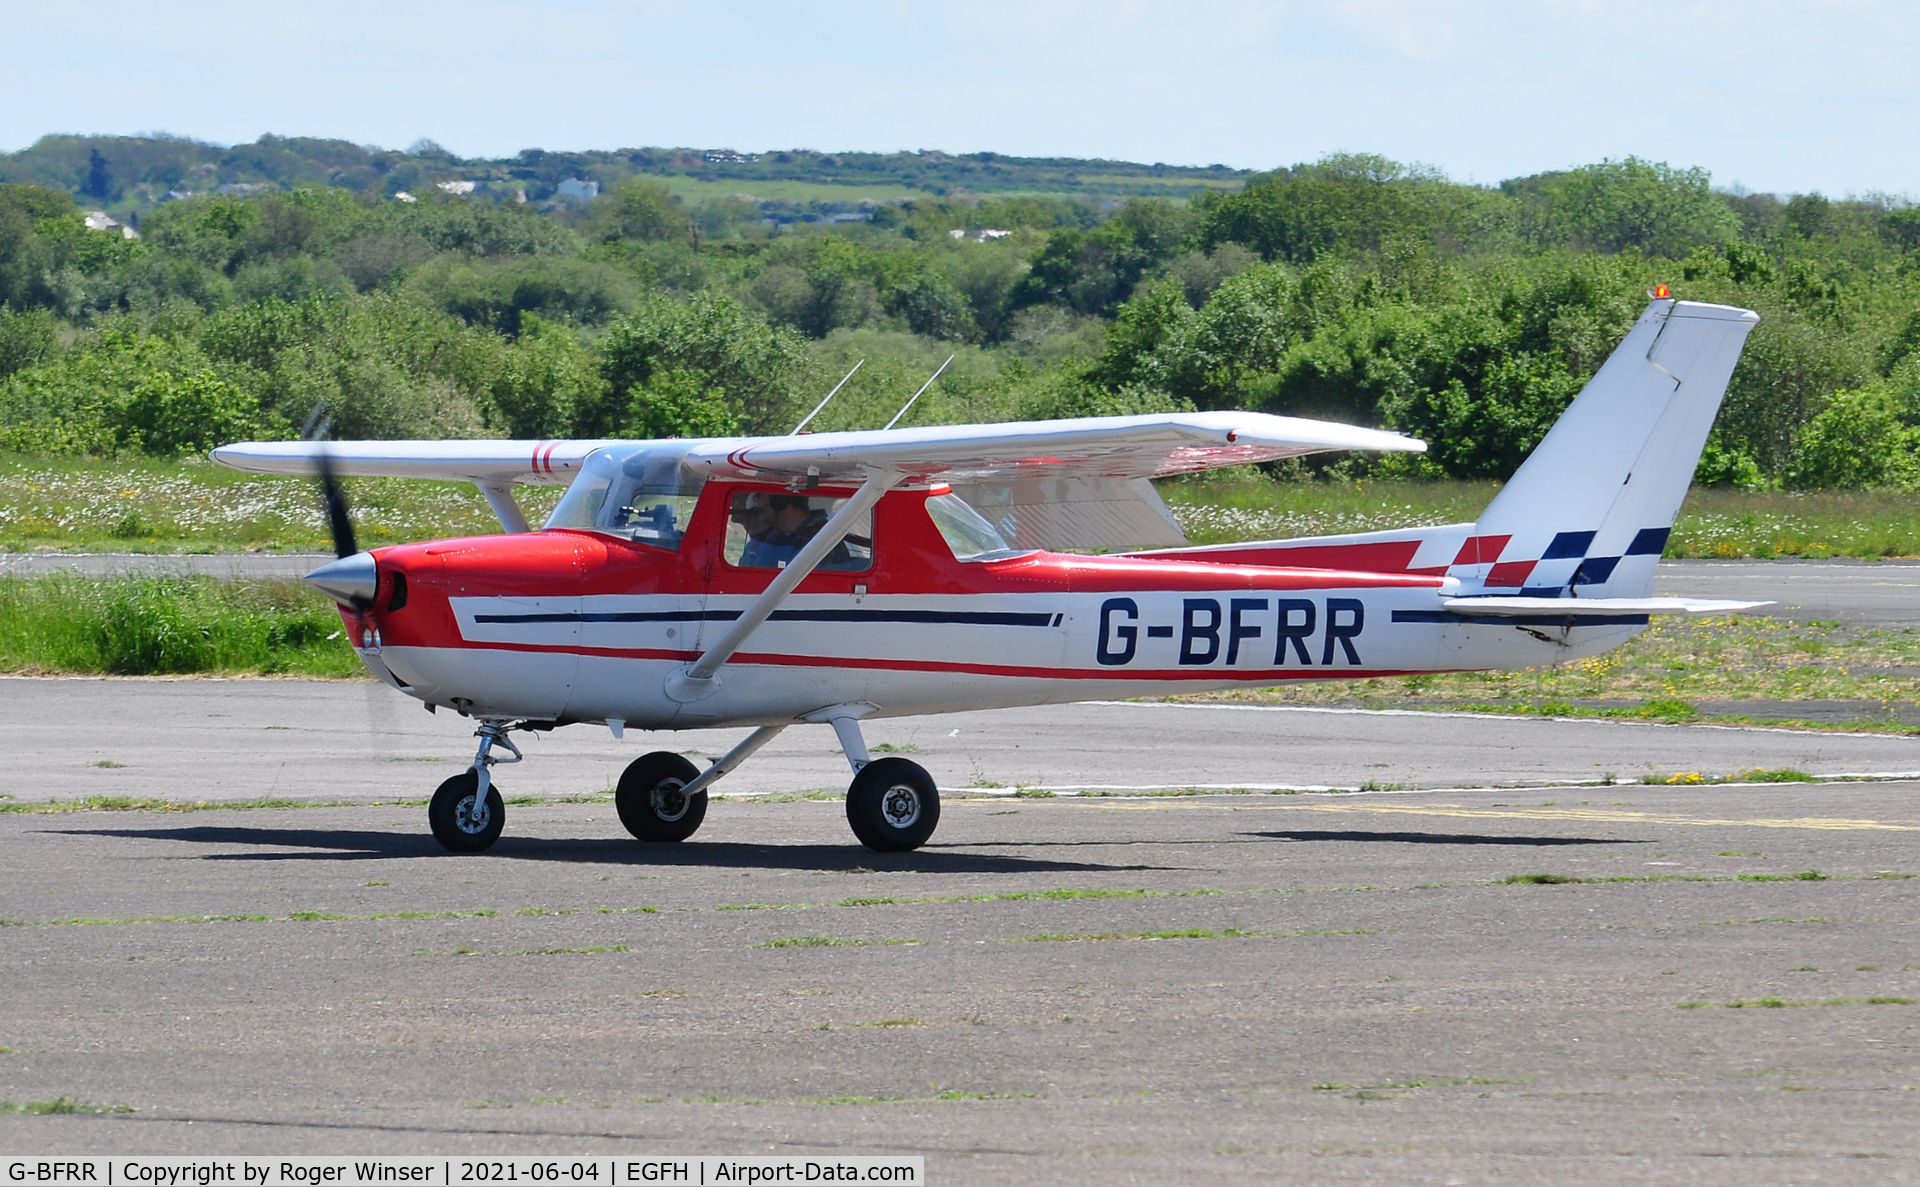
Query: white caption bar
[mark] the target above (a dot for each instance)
(703, 1171)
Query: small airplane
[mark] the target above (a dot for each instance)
(841, 577)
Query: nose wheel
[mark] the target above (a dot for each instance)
(893, 805)
(463, 818)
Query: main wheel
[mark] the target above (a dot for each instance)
(893, 805)
(461, 820)
(651, 800)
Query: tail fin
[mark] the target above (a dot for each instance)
(1589, 511)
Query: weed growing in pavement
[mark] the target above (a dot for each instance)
(58, 1105)
(1775, 1003)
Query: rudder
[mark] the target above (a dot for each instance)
(1588, 513)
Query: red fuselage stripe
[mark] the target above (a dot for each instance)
(832, 663)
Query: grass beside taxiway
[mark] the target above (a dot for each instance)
(167, 625)
(1667, 672)
(195, 506)
(1234, 505)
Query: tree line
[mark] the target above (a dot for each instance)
(1352, 288)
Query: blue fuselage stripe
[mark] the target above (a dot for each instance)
(1544, 618)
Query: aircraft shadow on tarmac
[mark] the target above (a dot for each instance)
(359, 845)
(1440, 838)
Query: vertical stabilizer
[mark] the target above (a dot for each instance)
(1589, 511)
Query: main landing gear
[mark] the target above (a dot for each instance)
(892, 804)
(652, 798)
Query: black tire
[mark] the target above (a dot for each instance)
(893, 805)
(455, 822)
(649, 800)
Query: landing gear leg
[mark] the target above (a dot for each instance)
(892, 803)
(663, 797)
(466, 812)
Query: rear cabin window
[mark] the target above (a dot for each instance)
(967, 532)
(767, 529)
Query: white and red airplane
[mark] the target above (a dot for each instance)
(830, 578)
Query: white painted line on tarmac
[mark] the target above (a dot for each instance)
(1180, 790)
(1337, 710)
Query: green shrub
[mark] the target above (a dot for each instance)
(1856, 441)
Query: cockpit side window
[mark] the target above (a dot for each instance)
(767, 529)
(645, 495)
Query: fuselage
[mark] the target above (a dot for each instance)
(566, 625)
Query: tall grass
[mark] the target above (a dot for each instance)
(141, 626)
(1229, 506)
(1768, 524)
(142, 505)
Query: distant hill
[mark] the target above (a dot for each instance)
(127, 173)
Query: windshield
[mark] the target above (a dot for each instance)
(970, 536)
(639, 492)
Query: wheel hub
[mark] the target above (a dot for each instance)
(901, 806)
(670, 800)
(470, 815)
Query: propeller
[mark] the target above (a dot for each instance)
(350, 579)
(339, 520)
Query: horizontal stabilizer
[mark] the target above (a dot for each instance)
(1521, 607)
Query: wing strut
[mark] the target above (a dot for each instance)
(697, 680)
(505, 509)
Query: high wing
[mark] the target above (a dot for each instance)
(484, 463)
(1149, 446)
(496, 467)
(1052, 483)
(1122, 447)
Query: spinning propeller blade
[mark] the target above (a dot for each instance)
(339, 521)
(351, 578)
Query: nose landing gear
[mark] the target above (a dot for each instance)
(466, 812)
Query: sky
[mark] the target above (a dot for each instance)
(1780, 96)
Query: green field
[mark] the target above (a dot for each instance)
(1226, 507)
(693, 190)
(144, 505)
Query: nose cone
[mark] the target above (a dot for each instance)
(350, 581)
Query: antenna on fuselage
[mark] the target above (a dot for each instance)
(918, 394)
(830, 395)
